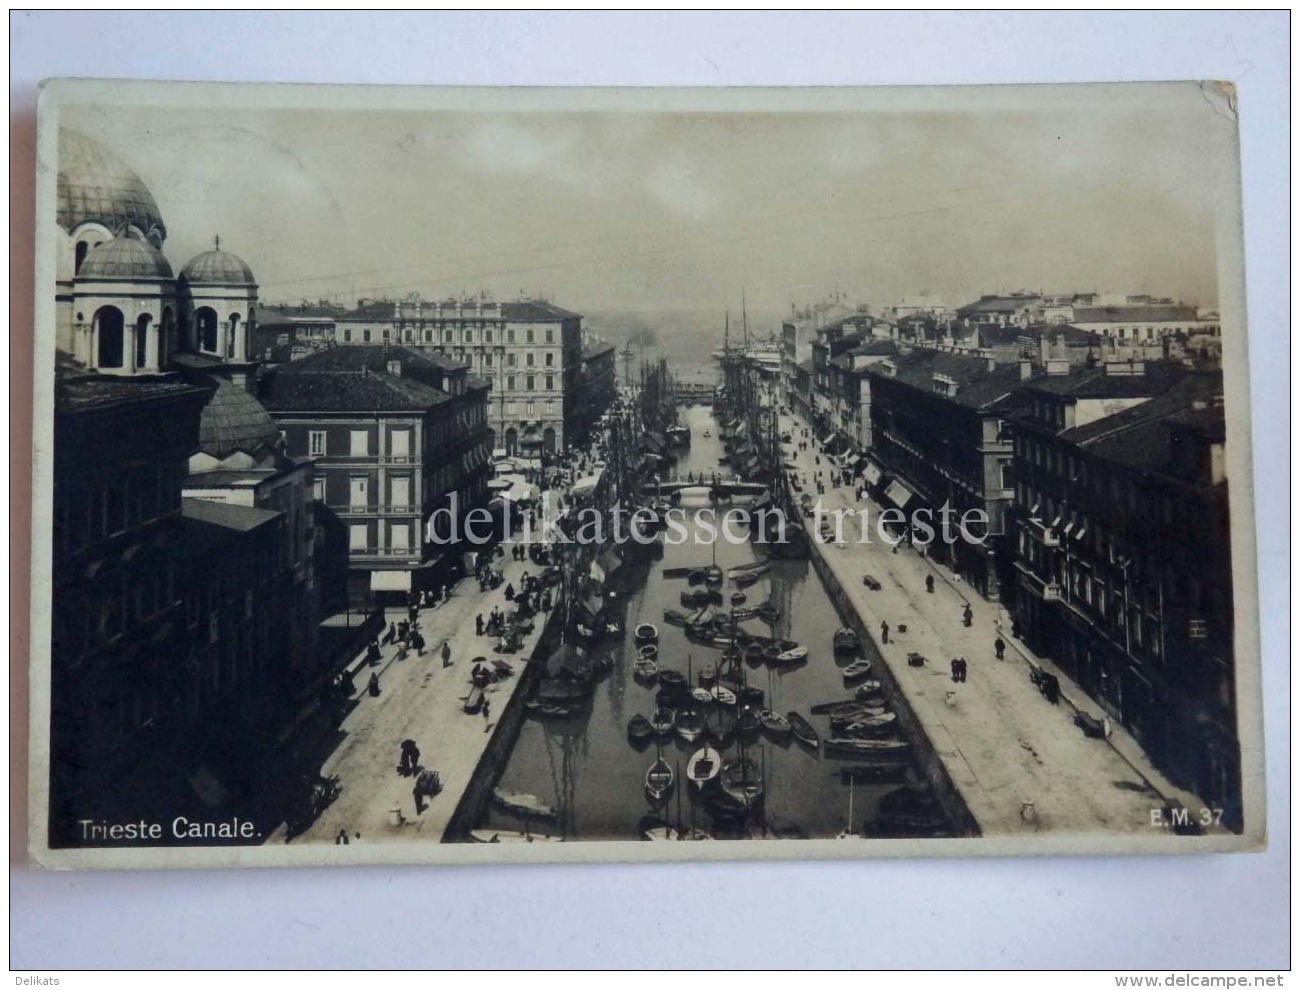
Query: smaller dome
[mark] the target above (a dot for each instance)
(125, 256)
(218, 267)
(233, 420)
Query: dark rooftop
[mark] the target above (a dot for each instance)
(536, 311)
(977, 386)
(210, 523)
(998, 304)
(1095, 383)
(77, 390)
(1136, 314)
(1142, 437)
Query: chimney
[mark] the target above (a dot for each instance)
(1026, 370)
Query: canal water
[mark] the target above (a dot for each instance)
(586, 767)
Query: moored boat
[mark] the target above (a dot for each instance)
(647, 632)
(778, 726)
(869, 689)
(648, 652)
(845, 641)
(708, 674)
(496, 835)
(526, 805)
(741, 780)
(866, 747)
(690, 725)
(662, 721)
(674, 680)
(754, 652)
(750, 695)
(659, 781)
(703, 766)
(646, 670)
(747, 723)
(722, 695)
(802, 730)
(858, 668)
(721, 723)
(639, 729)
(793, 656)
(738, 598)
(702, 695)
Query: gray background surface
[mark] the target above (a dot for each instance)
(1164, 913)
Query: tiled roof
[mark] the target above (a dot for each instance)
(977, 387)
(1095, 383)
(997, 304)
(223, 514)
(76, 391)
(536, 311)
(873, 348)
(1052, 331)
(1133, 314)
(1176, 403)
(348, 379)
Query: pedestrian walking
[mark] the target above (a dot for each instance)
(487, 708)
(929, 584)
(373, 686)
(446, 654)
(478, 624)
(418, 642)
(884, 632)
(967, 615)
(961, 670)
(391, 634)
(510, 592)
(373, 654)
(342, 838)
(955, 667)
(999, 647)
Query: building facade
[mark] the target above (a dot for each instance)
(939, 437)
(396, 435)
(530, 351)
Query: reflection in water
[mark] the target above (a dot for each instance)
(585, 765)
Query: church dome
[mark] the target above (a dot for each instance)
(95, 186)
(218, 267)
(125, 256)
(233, 420)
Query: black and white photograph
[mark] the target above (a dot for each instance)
(469, 476)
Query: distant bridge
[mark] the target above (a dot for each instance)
(722, 488)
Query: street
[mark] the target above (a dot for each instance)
(1020, 763)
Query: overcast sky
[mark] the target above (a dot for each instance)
(642, 210)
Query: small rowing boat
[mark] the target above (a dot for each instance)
(643, 669)
(702, 695)
(674, 680)
(648, 652)
(659, 781)
(802, 730)
(703, 765)
(690, 726)
(867, 747)
(647, 632)
(639, 729)
(845, 641)
(526, 805)
(793, 656)
(858, 668)
(662, 722)
(775, 725)
(722, 695)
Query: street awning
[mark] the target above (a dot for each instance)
(871, 472)
(899, 493)
(390, 580)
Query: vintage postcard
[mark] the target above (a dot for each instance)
(531, 475)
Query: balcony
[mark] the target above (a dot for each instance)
(1048, 536)
(1053, 592)
(377, 510)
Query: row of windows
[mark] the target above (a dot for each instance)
(448, 335)
(84, 515)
